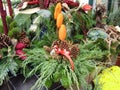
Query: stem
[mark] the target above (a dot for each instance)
(3, 16)
(10, 8)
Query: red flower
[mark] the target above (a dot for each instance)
(21, 54)
(20, 46)
(87, 7)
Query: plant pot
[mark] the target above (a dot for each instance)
(19, 83)
(6, 86)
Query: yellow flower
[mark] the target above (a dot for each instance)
(109, 79)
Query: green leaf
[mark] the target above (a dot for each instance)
(79, 37)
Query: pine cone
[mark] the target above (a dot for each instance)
(5, 41)
(74, 51)
(57, 42)
(22, 35)
(64, 45)
(26, 41)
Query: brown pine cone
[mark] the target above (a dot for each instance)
(26, 41)
(57, 42)
(64, 45)
(5, 41)
(22, 35)
(74, 51)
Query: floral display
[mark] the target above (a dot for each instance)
(65, 44)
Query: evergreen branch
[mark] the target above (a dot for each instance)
(54, 70)
(6, 67)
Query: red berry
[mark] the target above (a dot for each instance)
(20, 46)
(21, 54)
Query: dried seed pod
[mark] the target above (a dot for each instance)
(62, 32)
(59, 20)
(58, 9)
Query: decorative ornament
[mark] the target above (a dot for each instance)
(64, 49)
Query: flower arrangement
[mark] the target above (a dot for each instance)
(63, 47)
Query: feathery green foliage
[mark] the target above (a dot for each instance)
(45, 34)
(7, 65)
(52, 70)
